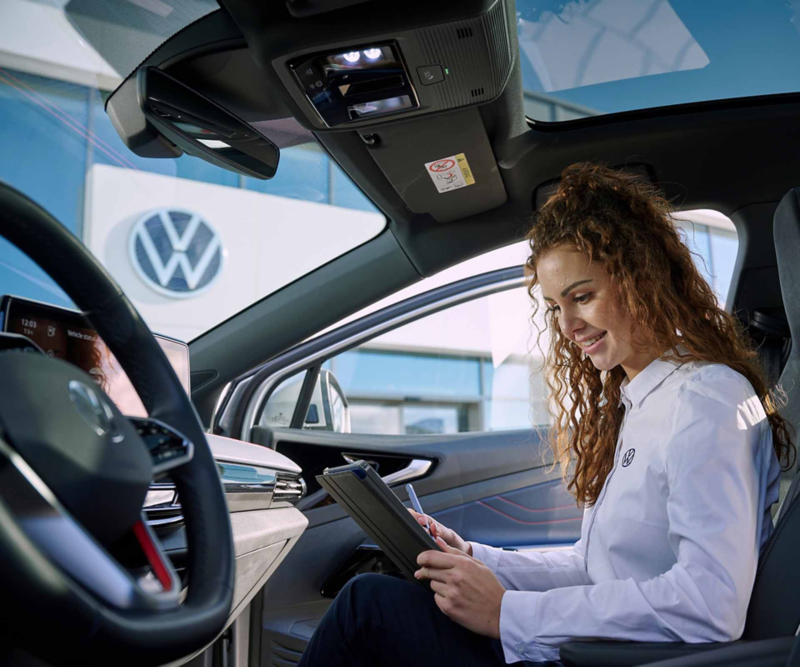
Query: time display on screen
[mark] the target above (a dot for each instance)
(68, 335)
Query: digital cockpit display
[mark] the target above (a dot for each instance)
(68, 335)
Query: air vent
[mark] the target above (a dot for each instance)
(477, 92)
(289, 489)
(161, 506)
(464, 33)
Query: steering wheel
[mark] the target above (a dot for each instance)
(74, 473)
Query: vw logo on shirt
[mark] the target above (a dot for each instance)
(176, 252)
(628, 458)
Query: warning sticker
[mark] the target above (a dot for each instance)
(450, 173)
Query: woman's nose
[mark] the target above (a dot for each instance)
(569, 324)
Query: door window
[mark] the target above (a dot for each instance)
(471, 367)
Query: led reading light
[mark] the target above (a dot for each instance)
(352, 57)
(372, 54)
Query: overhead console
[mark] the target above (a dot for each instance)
(439, 163)
(403, 74)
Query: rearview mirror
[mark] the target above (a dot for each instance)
(158, 116)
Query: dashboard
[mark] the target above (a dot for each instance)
(68, 334)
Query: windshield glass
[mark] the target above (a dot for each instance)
(190, 243)
(583, 58)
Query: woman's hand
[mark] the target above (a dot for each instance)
(465, 589)
(450, 537)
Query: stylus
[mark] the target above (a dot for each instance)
(417, 507)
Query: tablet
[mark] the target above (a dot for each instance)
(379, 513)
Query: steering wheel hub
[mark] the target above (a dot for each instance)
(66, 428)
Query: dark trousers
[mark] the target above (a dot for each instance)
(381, 621)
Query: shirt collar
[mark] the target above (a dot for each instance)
(636, 390)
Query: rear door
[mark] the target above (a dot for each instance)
(443, 390)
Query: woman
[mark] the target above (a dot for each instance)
(666, 432)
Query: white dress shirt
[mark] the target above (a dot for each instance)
(669, 550)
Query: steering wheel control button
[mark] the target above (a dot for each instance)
(168, 448)
(95, 411)
(430, 74)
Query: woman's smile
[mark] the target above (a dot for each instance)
(593, 344)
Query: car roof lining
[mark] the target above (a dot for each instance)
(700, 154)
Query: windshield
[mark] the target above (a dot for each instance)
(583, 58)
(190, 243)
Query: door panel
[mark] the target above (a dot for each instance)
(495, 488)
(533, 516)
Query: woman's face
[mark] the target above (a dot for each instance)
(579, 291)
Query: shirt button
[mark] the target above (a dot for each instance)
(521, 650)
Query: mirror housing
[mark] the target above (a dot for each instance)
(334, 403)
(157, 116)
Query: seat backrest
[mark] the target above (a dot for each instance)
(774, 609)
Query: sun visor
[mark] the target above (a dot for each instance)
(441, 165)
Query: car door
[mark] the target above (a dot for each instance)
(444, 390)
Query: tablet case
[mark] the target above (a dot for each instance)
(379, 513)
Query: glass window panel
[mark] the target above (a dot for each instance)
(429, 420)
(724, 248)
(281, 404)
(366, 372)
(60, 148)
(377, 419)
(504, 415)
(480, 377)
(608, 56)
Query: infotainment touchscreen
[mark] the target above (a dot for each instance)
(68, 335)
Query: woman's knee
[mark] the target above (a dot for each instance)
(380, 600)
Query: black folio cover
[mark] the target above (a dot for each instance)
(380, 514)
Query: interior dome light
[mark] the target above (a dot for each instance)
(372, 54)
(352, 57)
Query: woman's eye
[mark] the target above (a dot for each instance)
(583, 298)
(553, 309)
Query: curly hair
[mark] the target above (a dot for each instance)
(616, 218)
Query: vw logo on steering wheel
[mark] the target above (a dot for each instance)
(176, 252)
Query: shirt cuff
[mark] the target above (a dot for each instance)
(489, 556)
(518, 627)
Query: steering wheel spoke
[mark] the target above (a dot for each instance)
(47, 524)
(168, 448)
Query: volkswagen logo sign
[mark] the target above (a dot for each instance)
(175, 252)
(94, 410)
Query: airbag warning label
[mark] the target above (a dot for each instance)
(450, 173)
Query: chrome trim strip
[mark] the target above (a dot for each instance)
(222, 400)
(414, 470)
(155, 523)
(269, 382)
